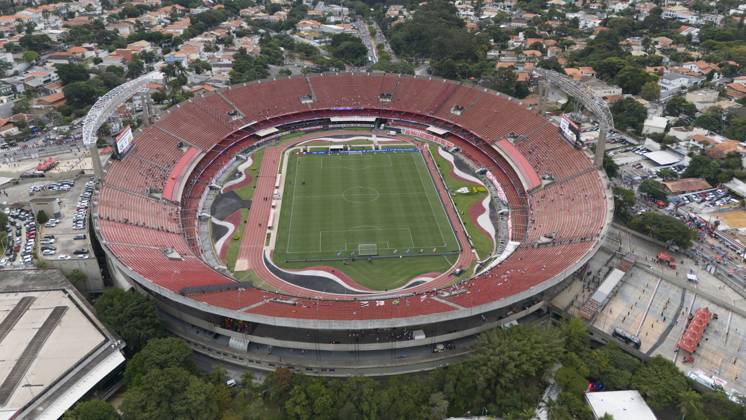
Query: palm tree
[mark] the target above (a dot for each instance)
(690, 402)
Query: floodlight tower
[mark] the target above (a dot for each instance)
(591, 102)
(104, 107)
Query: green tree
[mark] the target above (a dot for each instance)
(135, 68)
(712, 119)
(170, 393)
(131, 315)
(80, 95)
(650, 91)
(158, 353)
(629, 115)
(664, 228)
(4, 67)
(349, 49)
(678, 105)
(30, 56)
(701, 166)
(690, 404)
(653, 189)
(631, 79)
(91, 410)
(668, 174)
(660, 382)
(41, 217)
(624, 200)
(70, 73)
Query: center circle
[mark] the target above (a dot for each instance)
(360, 194)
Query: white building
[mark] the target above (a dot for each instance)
(654, 125)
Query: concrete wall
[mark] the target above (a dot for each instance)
(89, 267)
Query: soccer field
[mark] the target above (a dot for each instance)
(344, 205)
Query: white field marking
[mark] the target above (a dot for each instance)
(429, 202)
(484, 219)
(242, 169)
(292, 207)
(459, 173)
(220, 242)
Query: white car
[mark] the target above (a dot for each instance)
(63, 257)
(47, 252)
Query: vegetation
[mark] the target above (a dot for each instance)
(653, 189)
(714, 171)
(624, 200)
(664, 228)
(349, 49)
(131, 315)
(629, 115)
(41, 217)
(463, 202)
(505, 376)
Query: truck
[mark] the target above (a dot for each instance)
(665, 258)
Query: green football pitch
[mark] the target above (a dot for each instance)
(337, 207)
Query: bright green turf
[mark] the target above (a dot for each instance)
(463, 202)
(247, 190)
(387, 199)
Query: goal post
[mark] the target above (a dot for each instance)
(367, 250)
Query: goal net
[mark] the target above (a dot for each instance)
(366, 250)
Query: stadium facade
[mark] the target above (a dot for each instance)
(151, 219)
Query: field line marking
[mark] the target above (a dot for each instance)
(429, 202)
(292, 206)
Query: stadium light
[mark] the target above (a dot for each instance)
(105, 106)
(591, 102)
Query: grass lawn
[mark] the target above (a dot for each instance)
(247, 190)
(482, 241)
(334, 203)
(234, 243)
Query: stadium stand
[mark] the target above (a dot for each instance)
(156, 238)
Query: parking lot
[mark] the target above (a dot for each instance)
(70, 228)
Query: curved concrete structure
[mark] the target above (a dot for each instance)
(154, 244)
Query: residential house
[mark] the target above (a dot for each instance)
(675, 83)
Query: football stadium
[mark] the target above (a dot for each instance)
(348, 223)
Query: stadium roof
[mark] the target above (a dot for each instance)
(54, 349)
(620, 404)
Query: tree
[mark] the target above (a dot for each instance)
(651, 91)
(629, 115)
(91, 410)
(624, 200)
(712, 119)
(653, 189)
(660, 382)
(22, 106)
(701, 166)
(4, 67)
(678, 105)
(79, 95)
(158, 353)
(690, 404)
(631, 79)
(170, 393)
(135, 67)
(349, 49)
(664, 228)
(70, 73)
(30, 56)
(610, 167)
(668, 174)
(41, 217)
(131, 315)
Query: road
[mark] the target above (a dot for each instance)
(380, 38)
(362, 29)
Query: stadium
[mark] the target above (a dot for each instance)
(356, 223)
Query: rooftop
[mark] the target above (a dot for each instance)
(620, 404)
(54, 349)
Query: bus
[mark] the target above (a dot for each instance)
(626, 337)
